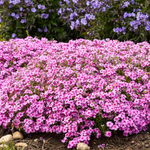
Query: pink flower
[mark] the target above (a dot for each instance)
(109, 124)
(108, 133)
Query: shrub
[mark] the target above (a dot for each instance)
(39, 18)
(121, 19)
(77, 88)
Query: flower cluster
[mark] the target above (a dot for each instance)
(122, 17)
(77, 12)
(40, 19)
(65, 88)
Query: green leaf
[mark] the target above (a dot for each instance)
(27, 33)
(76, 74)
(53, 88)
(66, 63)
(95, 58)
(130, 60)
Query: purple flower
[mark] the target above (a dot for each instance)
(77, 22)
(59, 11)
(14, 2)
(101, 146)
(23, 21)
(27, 1)
(147, 28)
(13, 35)
(75, 1)
(42, 7)
(39, 6)
(87, 3)
(13, 14)
(21, 9)
(103, 9)
(45, 29)
(33, 9)
(41, 138)
(125, 4)
(83, 21)
(10, 6)
(16, 16)
(1, 2)
(44, 15)
(39, 29)
(72, 25)
(141, 17)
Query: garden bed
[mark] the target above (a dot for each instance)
(80, 89)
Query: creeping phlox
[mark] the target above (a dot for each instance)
(77, 88)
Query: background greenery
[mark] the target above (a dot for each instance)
(100, 28)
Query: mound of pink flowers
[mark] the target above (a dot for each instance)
(77, 88)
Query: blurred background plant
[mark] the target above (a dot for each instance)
(72, 19)
(39, 18)
(115, 19)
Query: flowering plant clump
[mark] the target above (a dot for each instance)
(77, 88)
(39, 18)
(116, 19)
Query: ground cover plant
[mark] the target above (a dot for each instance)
(80, 88)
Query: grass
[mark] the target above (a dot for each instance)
(10, 146)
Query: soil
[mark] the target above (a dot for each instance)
(140, 141)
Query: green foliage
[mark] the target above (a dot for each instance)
(9, 146)
(100, 123)
(102, 27)
(56, 29)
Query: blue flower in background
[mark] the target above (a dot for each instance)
(69, 9)
(21, 9)
(128, 15)
(92, 17)
(10, 6)
(126, 4)
(72, 25)
(89, 17)
(75, 1)
(13, 35)
(14, 2)
(44, 15)
(87, 3)
(17, 38)
(142, 17)
(23, 21)
(83, 21)
(103, 9)
(59, 11)
(45, 29)
(13, 14)
(148, 23)
(1, 2)
(33, 9)
(71, 16)
(77, 22)
(119, 30)
(39, 29)
(39, 6)
(42, 7)
(16, 16)
(27, 1)
(147, 28)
